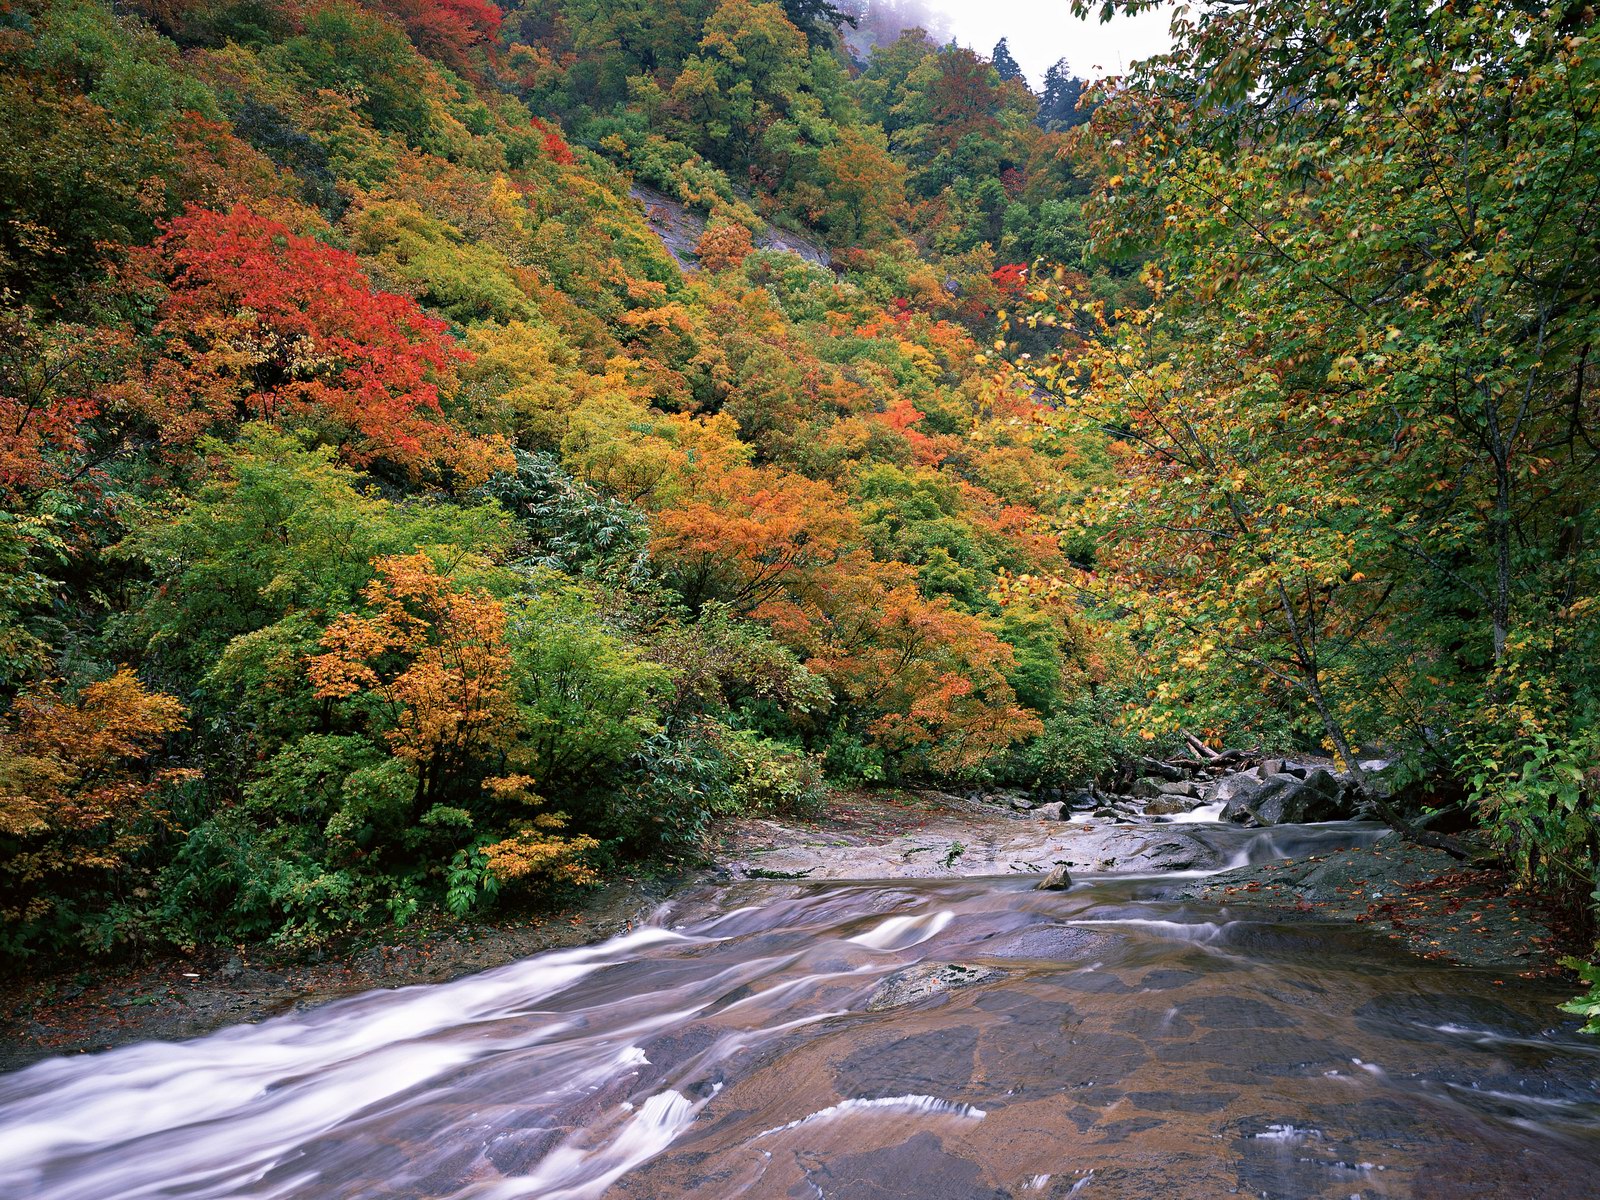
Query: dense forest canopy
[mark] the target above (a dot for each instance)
(393, 519)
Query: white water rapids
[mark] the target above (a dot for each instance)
(1115, 1042)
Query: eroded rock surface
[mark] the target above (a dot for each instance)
(928, 979)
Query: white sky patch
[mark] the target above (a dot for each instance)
(1041, 31)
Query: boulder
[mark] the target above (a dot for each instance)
(1056, 879)
(1054, 811)
(1157, 769)
(1146, 788)
(1083, 799)
(1229, 786)
(1180, 789)
(1325, 783)
(1167, 806)
(1182, 854)
(1022, 804)
(1284, 799)
(925, 980)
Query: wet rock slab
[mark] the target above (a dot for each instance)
(961, 845)
(928, 979)
(1413, 894)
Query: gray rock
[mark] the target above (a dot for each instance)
(1022, 804)
(1168, 806)
(1054, 811)
(1232, 785)
(1162, 770)
(927, 979)
(1324, 782)
(1181, 789)
(1241, 800)
(1056, 879)
(1083, 799)
(1174, 852)
(1146, 788)
(1284, 799)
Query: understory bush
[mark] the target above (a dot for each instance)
(1080, 743)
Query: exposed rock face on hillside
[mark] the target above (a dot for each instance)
(679, 228)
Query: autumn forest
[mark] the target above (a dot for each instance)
(453, 451)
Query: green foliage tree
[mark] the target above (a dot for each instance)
(276, 529)
(1357, 426)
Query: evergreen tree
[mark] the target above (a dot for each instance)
(817, 19)
(1058, 106)
(1004, 63)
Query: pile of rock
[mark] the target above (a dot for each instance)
(1253, 791)
(1278, 793)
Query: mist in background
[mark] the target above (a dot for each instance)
(1038, 32)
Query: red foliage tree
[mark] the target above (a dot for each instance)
(555, 146)
(42, 414)
(259, 322)
(1009, 278)
(963, 100)
(446, 29)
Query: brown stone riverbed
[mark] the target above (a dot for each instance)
(937, 1038)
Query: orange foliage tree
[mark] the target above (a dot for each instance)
(76, 793)
(431, 657)
(431, 662)
(723, 246)
(748, 535)
(930, 680)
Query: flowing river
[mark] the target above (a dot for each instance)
(946, 1039)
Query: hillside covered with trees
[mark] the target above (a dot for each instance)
(392, 523)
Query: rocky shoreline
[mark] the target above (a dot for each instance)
(172, 997)
(1413, 894)
(1163, 823)
(1245, 788)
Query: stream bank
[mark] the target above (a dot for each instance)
(1420, 898)
(951, 1038)
(99, 1006)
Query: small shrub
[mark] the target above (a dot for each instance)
(1587, 1005)
(851, 761)
(1078, 744)
(767, 777)
(679, 780)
